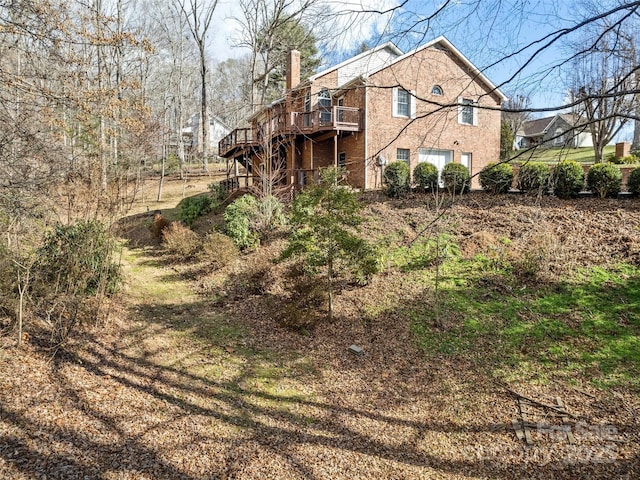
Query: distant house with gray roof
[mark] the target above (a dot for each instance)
(561, 130)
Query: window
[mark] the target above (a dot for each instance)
(558, 137)
(467, 112)
(404, 103)
(324, 105)
(436, 90)
(307, 110)
(403, 155)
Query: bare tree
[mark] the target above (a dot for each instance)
(516, 112)
(263, 25)
(199, 14)
(231, 90)
(603, 87)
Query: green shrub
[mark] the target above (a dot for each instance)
(426, 176)
(534, 177)
(396, 178)
(180, 240)
(611, 158)
(171, 164)
(568, 179)
(496, 177)
(217, 192)
(628, 160)
(633, 182)
(77, 260)
(456, 178)
(192, 208)
(604, 179)
(237, 219)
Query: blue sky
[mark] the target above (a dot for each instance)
(488, 32)
(484, 31)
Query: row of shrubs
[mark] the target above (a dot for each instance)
(456, 178)
(566, 179)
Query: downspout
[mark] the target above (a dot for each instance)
(366, 133)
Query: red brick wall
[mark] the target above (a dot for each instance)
(439, 128)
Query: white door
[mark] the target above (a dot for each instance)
(465, 159)
(437, 157)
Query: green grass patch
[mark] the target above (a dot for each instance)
(588, 325)
(554, 155)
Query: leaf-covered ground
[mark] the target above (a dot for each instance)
(194, 377)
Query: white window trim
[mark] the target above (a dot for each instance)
(474, 107)
(412, 103)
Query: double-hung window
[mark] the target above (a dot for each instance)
(467, 111)
(404, 106)
(404, 103)
(324, 105)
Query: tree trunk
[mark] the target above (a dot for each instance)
(204, 117)
(164, 161)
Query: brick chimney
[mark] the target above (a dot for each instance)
(293, 69)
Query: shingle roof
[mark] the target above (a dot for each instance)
(536, 127)
(540, 126)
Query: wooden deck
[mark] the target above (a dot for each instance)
(346, 119)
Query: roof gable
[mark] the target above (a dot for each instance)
(442, 42)
(540, 126)
(362, 64)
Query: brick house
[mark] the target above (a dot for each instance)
(430, 104)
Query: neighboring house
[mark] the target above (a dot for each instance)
(430, 104)
(217, 131)
(561, 130)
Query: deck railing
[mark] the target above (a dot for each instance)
(237, 138)
(319, 120)
(331, 118)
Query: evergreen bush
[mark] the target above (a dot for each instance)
(426, 176)
(604, 179)
(77, 260)
(192, 208)
(396, 178)
(237, 220)
(633, 182)
(456, 178)
(496, 177)
(568, 179)
(534, 177)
